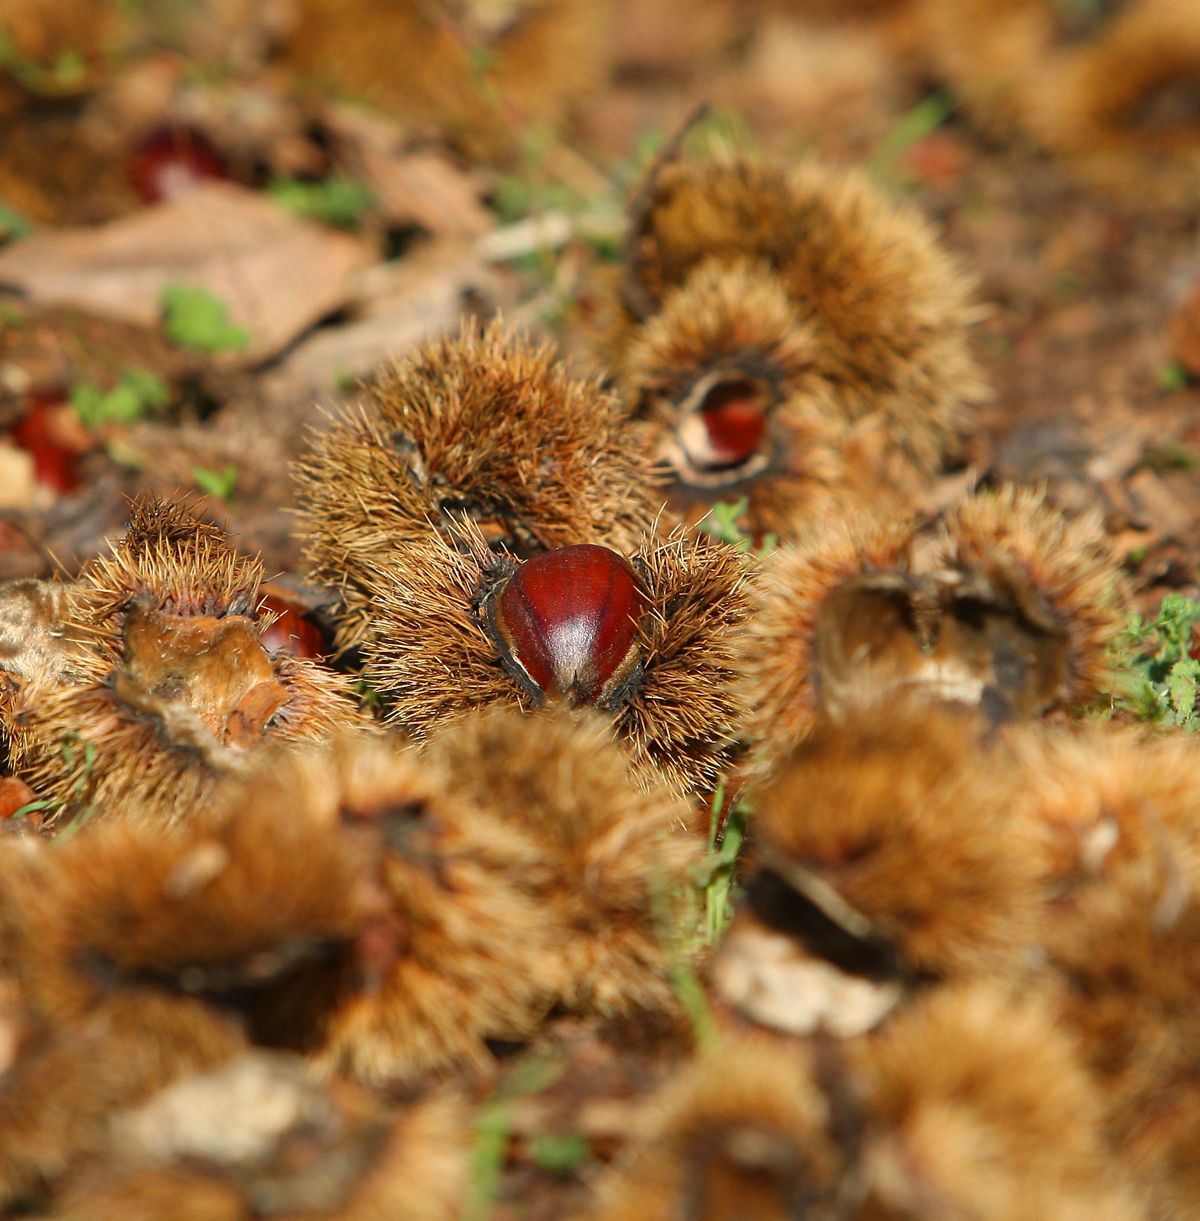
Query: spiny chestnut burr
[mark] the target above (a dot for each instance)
(462, 952)
(795, 294)
(170, 683)
(36, 657)
(149, 952)
(886, 865)
(1012, 612)
(976, 1104)
(650, 640)
(725, 376)
(614, 868)
(479, 73)
(743, 1131)
(822, 634)
(1103, 803)
(1032, 600)
(483, 426)
(1113, 88)
(1124, 950)
(567, 623)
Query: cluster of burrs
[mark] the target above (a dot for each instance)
(289, 917)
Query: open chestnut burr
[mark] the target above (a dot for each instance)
(166, 677)
(1012, 612)
(778, 327)
(483, 425)
(647, 638)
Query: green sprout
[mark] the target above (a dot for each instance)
(1158, 677)
(337, 201)
(137, 394)
(220, 484)
(194, 318)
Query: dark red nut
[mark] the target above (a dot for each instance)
(55, 451)
(566, 623)
(735, 417)
(172, 161)
(291, 631)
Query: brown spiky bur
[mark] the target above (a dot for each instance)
(35, 655)
(886, 866)
(830, 627)
(57, 1098)
(1124, 955)
(484, 425)
(225, 909)
(480, 71)
(1114, 88)
(1113, 818)
(615, 868)
(460, 955)
(886, 309)
(436, 655)
(1033, 601)
(76, 1048)
(264, 1135)
(1104, 805)
(745, 1131)
(977, 1105)
(1013, 611)
(40, 35)
(726, 375)
(172, 685)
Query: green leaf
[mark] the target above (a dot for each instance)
(194, 318)
(1172, 376)
(1182, 686)
(138, 393)
(220, 484)
(721, 523)
(31, 807)
(1156, 677)
(560, 1153)
(337, 201)
(12, 224)
(922, 120)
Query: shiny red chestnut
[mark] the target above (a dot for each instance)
(45, 432)
(735, 418)
(291, 631)
(566, 623)
(172, 161)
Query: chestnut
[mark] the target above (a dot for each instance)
(292, 630)
(171, 161)
(49, 437)
(722, 430)
(566, 623)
